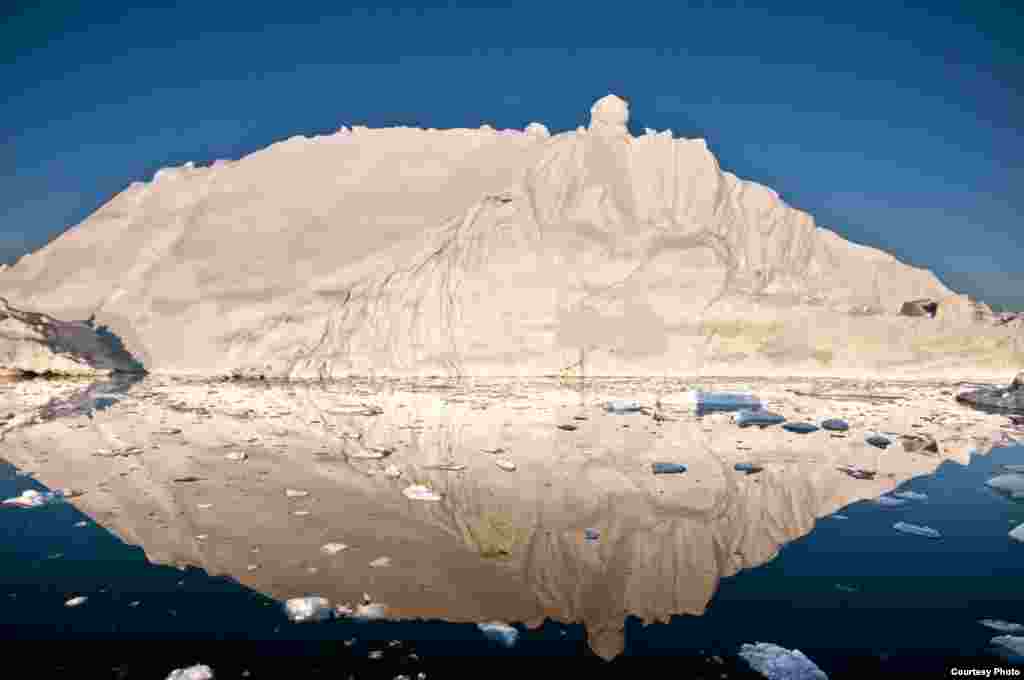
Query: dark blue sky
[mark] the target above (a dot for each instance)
(900, 127)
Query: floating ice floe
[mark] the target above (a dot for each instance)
(198, 672)
(505, 464)
(499, 632)
(76, 601)
(30, 498)
(295, 493)
(911, 495)
(778, 663)
(839, 516)
(308, 609)
(192, 673)
(381, 562)
(1011, 644)
(890, 501)
(916, 530)
(1018, 533)
(623, 406)
(1011, 484)
(1002, 626)
(371, 453)
(418, 492)
(236, 456)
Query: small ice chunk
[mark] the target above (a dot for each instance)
(205, 506)
(418, 492)
(505, 464)
(623, 406)
(30, 498)
(381, 562)
(76, 601)
(890, 501)
(778, 663)
(1013, 644)
(911, 495)
(308, 609)
(916, 530)
(667, 468)
(295, 493)
(236, 455)
(499, 632)
(198, 672)
(1002, 626)
(1018, 533)
(333, 548)
(839, 516)
(1011, 483)
(800, 427)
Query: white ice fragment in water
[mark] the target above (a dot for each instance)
(911, 495)
(1013, 644)
(75, 601)
(499, 632)
(381, 562)
(205, 506)
(839, 516)
(1002, 626)
(1018, 533)
(197, 672)
(889, 500)
(295, 493)
(236, 455)
(418, 492)
(30, 498)
(1012, 483)
(916, 530)
(333, 548)
(505, 464)
(308, 609)
(778, 663)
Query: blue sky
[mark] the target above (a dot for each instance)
(900, 127)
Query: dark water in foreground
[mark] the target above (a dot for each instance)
(857, 597)
(853, 595)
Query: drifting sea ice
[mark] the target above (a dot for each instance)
(499, 632)
(198, 672)
(916, 530)
(778, 663)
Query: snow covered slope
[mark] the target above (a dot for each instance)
(407, 251)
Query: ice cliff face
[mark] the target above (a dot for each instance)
(406, 251)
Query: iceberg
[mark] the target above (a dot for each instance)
(916, 530)
(500, 632)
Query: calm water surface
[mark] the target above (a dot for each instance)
(688, 566)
